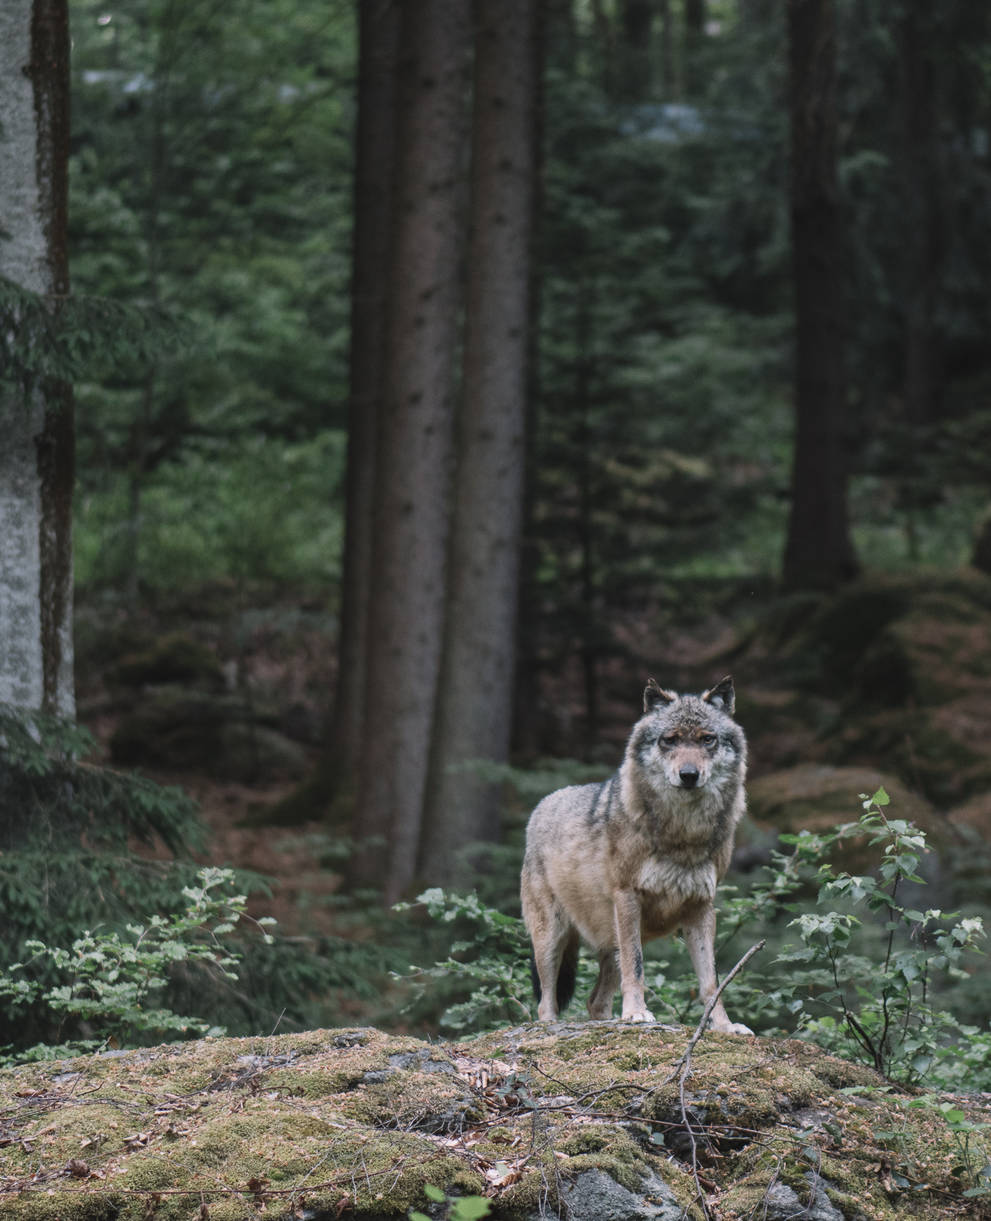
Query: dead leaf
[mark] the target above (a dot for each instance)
(256, 1186)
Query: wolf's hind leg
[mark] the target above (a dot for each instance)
(555, 958)
(600, 1002)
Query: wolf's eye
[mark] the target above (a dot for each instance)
(709, 739)
(669, 739)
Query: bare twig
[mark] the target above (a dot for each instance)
(684, 1068)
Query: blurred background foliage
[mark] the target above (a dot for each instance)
(211, 177)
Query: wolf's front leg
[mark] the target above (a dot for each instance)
(626, 908)
(700, 937)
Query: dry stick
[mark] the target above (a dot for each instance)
(685, 1064)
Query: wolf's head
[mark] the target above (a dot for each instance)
(689, 741)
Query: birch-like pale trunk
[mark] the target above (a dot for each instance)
(35, 416)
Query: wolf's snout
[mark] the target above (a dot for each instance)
(688, 774)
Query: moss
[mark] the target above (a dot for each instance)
(605, 1147)
(175, 657)
(330, 1115)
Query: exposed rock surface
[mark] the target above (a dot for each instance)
(580, 1121)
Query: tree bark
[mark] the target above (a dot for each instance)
(694, 38)
(36, 420)
(637, 19)
(374, 168)
(415, 443)
(475, 698)
(818, 552)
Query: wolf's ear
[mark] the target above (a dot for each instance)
(722, 695)
(654, 695)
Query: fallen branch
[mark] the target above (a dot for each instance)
(683, 1069)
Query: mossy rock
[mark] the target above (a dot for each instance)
(815, 640)
(882, 639)
(820, 797)
(891, 673)
(578, 1120)
(178, 729)
(943, 749)
(174, 658)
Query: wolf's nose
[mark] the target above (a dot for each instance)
(689, 776)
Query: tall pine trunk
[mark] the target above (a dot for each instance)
(36, 422)
(475, 699)
(818, 552)
(374, 168)
(921, 255)
(415, 449)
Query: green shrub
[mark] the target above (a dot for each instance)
(108, 982)
(68, 830)
(880, 1007)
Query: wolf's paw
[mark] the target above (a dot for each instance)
(730, 1028)
(638, 1015)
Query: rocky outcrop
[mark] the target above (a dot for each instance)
(890, 674)
(590, 1121)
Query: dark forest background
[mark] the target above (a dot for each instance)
(496, 356)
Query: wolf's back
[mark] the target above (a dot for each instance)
(578, 806)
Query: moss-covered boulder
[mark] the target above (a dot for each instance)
(820, 797)
(584, 1121)
(175, 657)
(891, 673)
(183, 729)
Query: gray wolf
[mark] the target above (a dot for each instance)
(638, 856)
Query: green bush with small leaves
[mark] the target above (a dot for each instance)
(111, 983)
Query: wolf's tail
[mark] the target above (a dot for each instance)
(566, 974)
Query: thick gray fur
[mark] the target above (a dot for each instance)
(619, 863)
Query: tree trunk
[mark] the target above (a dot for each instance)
(526, 682)
(818, 552)
(475, 699)
(415, 443)
(694, 39)
(374, 167)
(922, 253)
(637, 18)
(669, 84)
(36, 421)
(920, 257)
(585, 478)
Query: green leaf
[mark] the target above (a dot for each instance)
(469, 1208)
(434, 1193)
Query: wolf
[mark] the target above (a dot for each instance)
(638, 856)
